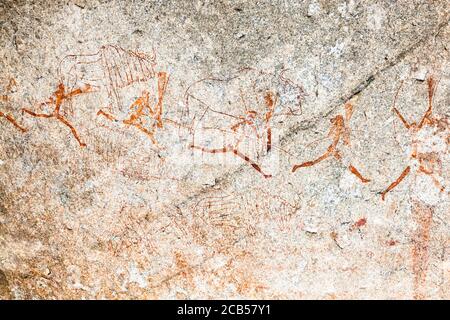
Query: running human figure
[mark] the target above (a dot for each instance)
(339, 130)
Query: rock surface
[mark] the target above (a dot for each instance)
(141, 214)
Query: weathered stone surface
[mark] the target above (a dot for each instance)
(124, 218)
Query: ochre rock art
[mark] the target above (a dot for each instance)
(239, 116)
(56, 100)
(235, 114)
(146, 113)
(429, 142)
(5, 98)
(339, 130)
(112, 68)
(430, 138)
(11, 119)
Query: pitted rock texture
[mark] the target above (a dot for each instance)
(168, 198)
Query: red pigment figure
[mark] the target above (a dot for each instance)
(111, 68)
(57, 99)
(428, 150)
(12, 120)
(243, 107)
(339, 129)
(5, 98)
(429, 141)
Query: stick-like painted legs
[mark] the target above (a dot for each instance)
(396, 182)
(72, 128)
(57, 99)
(313, 162)
(163, 80)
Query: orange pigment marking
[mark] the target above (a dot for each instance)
(420, 253)
(356, 173)
(396, 182)
(402, 119)
(106, 115)
(163, 80)
(392, 242)
(141, 105)
(358, 224)
(12, 83)
(236, 153)
(432, 85)
(57, 99)
(270, 103)
(13, 121)
(337, 129)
